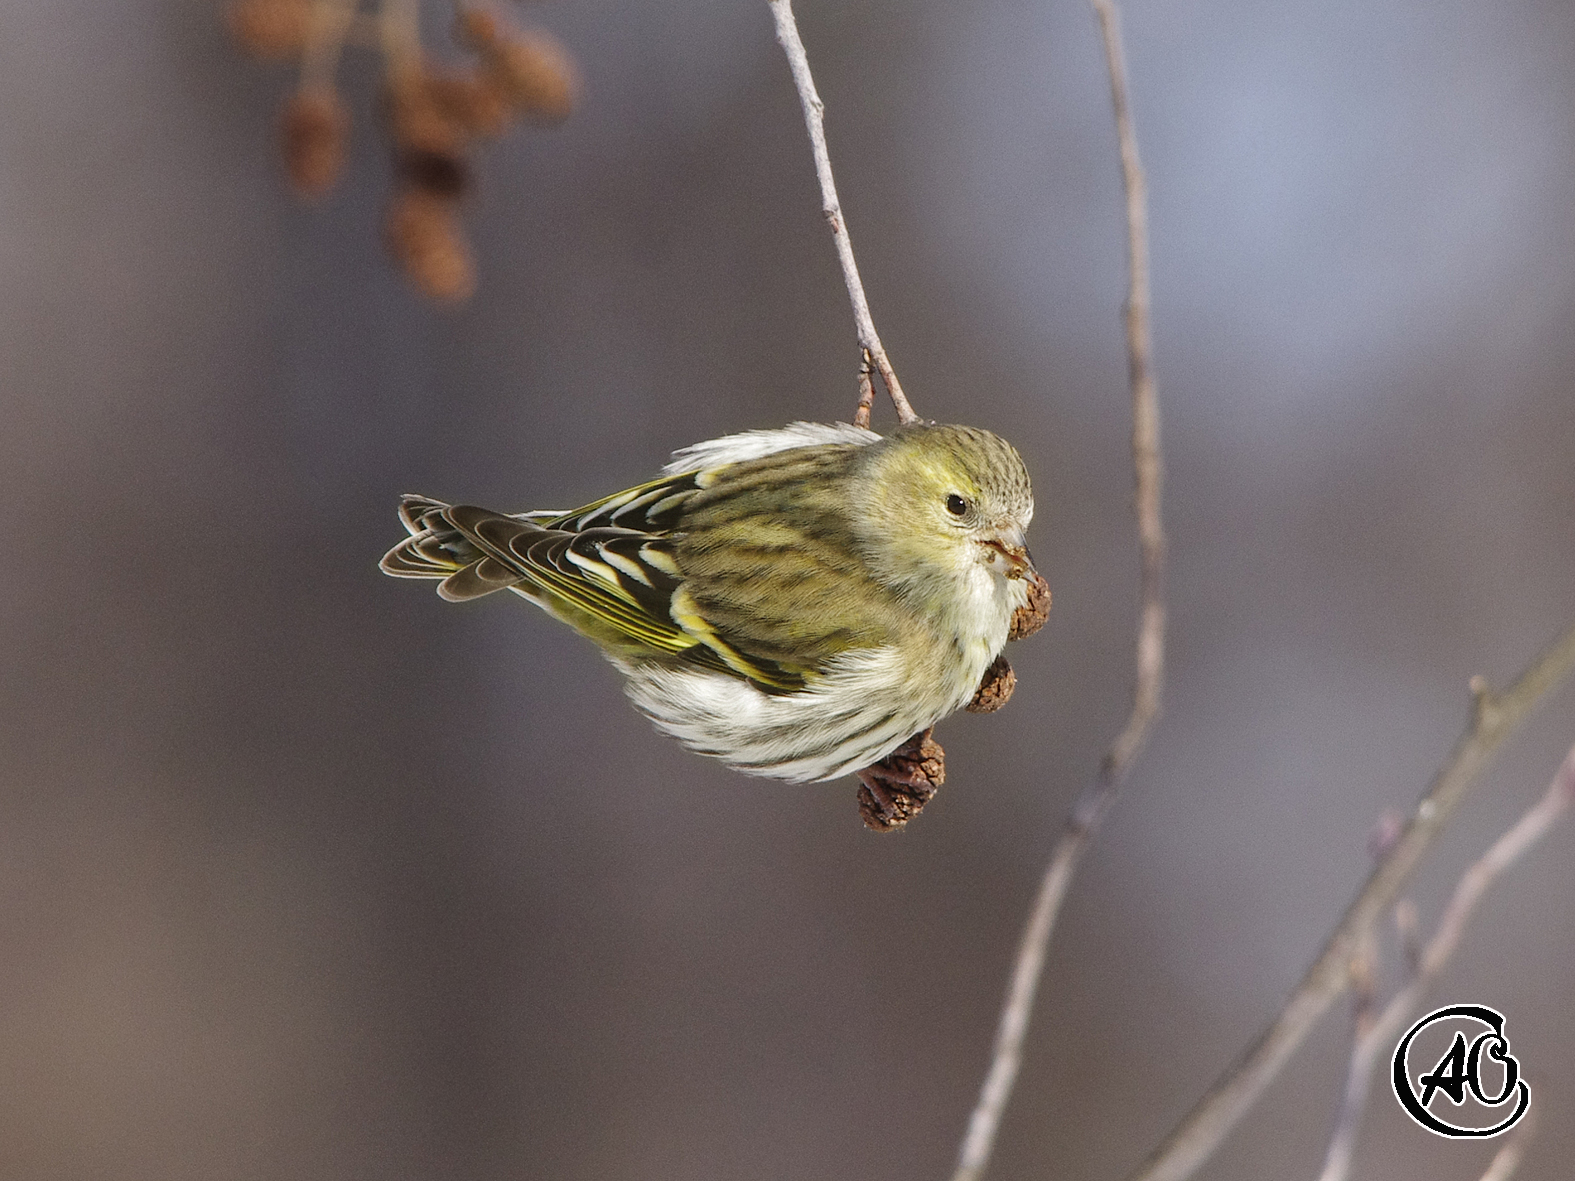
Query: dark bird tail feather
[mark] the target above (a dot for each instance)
(436, 549)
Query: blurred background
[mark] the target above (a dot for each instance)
(307, 874)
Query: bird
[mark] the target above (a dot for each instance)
(797, 602)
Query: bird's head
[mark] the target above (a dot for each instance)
(945, 504)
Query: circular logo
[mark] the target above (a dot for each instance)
(1460, 1071)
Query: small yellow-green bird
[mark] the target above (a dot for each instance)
(796, 602)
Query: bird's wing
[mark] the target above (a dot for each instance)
(648, 508)
(618, 582)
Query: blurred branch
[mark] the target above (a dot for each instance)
(1494, 718)
(874, 353)
(326, 30)
(434, 113)
(1373, 1036)
(1365, 1013)
(1096, 800)
(399, 22)
(1507, 1159)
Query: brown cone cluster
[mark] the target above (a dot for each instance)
(894, 790)
(434, 114)
(995, 689)
(428, 242)
(1031, 616)
(531, 68)
(315, 128)
(271, 28)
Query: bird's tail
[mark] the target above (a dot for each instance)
(436, 548)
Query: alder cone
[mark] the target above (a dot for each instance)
(476, 102)
(315, 126)
(271, 28)
(429, 145)
(895, 790)
(1030, 617)
(421, 124)
(537, 74)
(425, 237)
(995, 688)
(476, 29)
(439, 173)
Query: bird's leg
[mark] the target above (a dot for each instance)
(894, 790)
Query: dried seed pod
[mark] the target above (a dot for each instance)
(1030, 617)
(894, 790)
(477, 102)
(995, 688)
(416, 120)
(476, 28)
(429, 147)
(537, 74)
(271, 28)
(315, 125)
(426, 238)
(443, 176)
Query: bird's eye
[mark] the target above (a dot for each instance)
(956, 505)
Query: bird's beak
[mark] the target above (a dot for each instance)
(1010, 544)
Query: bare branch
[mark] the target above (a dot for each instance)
(861, 415)
(1377, 1035)
(814, 120)
(1365, 1013)
(1096, 800)
(1408, 927)
(1495, 717)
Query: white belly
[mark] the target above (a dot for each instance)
(855, 714)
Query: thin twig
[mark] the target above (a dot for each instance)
(1533, 825)
(364, 31)
(1358, 1079)
(1408, 927)
(400, 24)
(1494, 718)
(861, 415)
(1364, 1014)
(327, 26)
(1097, 799)
(814, 120)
